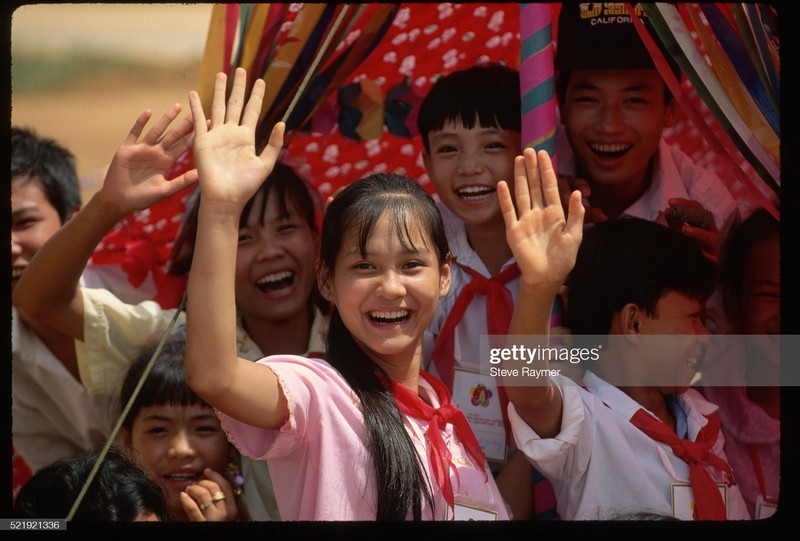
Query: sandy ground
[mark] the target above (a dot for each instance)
(91, 116)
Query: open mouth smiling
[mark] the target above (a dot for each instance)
(389, 317)
(276, 282)
(610, 151)
(475, 192)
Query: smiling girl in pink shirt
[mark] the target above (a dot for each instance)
(366, 434)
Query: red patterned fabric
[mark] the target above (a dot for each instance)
(425, 41)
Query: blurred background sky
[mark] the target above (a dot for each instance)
(82, 73)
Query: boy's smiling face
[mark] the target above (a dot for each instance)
(614, 120)
(33, 222)
(676, 357)
(465, 165)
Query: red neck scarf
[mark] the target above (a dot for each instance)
(499, 308)
(708, 500)
(412, 405)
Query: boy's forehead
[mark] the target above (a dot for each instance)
(455, 127)
(27, 189)
(453, 123)
(618, 78)
(27, 179)
(673, 302)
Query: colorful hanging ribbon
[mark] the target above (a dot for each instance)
(733, 47)
(537, 87)
(672, 31)
(734, 87)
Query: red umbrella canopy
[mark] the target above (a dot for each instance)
(383, 60)
(349, 79)
(369, 124)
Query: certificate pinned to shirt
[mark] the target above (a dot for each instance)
(477, 396)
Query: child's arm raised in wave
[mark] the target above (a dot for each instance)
(230, 172)
(48, 292)
(545, 245)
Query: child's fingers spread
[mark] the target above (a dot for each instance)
(236, 100)
(218, 101)
(506, 205)
(201, 125)
(575, 215)
(178, 135)
(138, 126)
(160, 127)
(534, 185)
(273, 147)
(180, 146)
(521, 191)
(253, 108)
(549, 180)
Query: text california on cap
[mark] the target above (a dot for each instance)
(595, 35)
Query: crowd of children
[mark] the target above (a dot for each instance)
(337, 374)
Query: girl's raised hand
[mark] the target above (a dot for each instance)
(224, 148)
(544, 242)
(136, 180)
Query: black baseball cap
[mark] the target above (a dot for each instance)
(595, 35)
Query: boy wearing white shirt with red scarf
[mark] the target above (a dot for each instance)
(632, 437)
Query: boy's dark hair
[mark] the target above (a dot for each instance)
(42, 160)
(489, 92)
(121, 491)
(166, 382)
(760, 225)
(631, 260)
(401, 479)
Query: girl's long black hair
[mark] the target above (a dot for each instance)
(401, 479)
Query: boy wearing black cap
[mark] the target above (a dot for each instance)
(614, 107)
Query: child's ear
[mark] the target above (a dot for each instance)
(445, 276)
(323, 283)
(672, 113)
(630, 321)
(630, 318)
